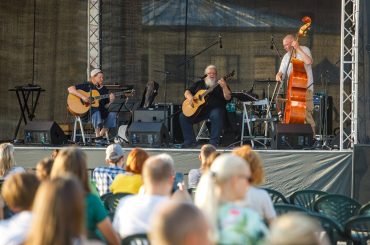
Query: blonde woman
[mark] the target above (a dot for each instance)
(73, 161)
(58, 213)
(220, 195)
(256, 198)
(7, 162)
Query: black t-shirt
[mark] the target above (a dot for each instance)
(103, 90)
(214, 99)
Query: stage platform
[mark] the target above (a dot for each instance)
(286, 170)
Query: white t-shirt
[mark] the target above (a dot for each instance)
(133, 213)
(15, 230)
(260, 201)
(285, 62)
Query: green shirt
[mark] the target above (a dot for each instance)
(95, 213)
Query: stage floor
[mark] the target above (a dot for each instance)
(286, 170)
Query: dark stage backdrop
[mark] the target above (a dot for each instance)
(45, 42)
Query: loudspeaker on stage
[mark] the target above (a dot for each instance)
(43, 132)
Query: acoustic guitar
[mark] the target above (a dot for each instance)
(79, 107)
(200, 99)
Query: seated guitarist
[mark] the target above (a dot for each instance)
(214, 108)
(101, 119)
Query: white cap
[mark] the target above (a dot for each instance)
(114, 152)
(94, 72)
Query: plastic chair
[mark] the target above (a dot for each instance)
(111, 202)
(333, 229)
(283, 208)
(338, 207)
(306, 198)
(365, 209)
(276, 197)
(136, 239)
(357, 229)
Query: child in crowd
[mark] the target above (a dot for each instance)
(18, 191)
(7, 161)
(43, 168)
(220, 195)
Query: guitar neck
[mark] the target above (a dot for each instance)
(105, 96)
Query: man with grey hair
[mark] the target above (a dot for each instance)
(134, 212)
(214, 108)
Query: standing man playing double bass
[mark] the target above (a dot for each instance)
(303, 53)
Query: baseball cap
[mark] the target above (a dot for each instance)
(94, 72)
(114, 152)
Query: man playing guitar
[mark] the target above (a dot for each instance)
(214, 108)
(101, 118)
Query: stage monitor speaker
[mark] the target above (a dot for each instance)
(43, 132)
(148, 134)
(361, 174)
(292, 136)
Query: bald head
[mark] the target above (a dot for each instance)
(158, 169)
(287, 42)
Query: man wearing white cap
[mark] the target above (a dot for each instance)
(104, 176)
(101, 118)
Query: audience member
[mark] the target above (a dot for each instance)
(18, 191)
(177, 223)
(73, 160)
(194, 174)
(131, 181)
(134, 212)
(256, 198)
(296, 229)
(219, 195)
(54, 154)
(104, 176)
(7, 161)
(43, 168)
(58, 213)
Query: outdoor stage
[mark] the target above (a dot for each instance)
(286, 170)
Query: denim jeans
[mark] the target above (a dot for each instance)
(98, 122)
(216, 116)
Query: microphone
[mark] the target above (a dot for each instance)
(272, 42)
(220, 40)
(204, 76)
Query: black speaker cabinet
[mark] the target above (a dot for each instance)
(361, 174)
(43, 132)
(292, 136)
(323, 118)
(148, 134)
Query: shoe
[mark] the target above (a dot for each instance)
(186, 145)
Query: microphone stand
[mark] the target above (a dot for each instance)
(165, 92)
(90, 109)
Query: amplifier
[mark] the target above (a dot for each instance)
(149, 134)
(43, 132)
(292, 136)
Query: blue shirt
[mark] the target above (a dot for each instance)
(104, 176)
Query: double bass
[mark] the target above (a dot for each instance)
(295, 102)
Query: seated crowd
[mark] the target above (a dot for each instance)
(60, 204)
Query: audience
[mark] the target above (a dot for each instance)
(54, 154)
(296, 229)
(177, 223)
(256, 198)
(131, 180)
(7, 162)
(104, 176)
(58, 213)
(195, 174)
(18, 192)
(73, 160)
(134, 212)
(219, 195)
(43, 168)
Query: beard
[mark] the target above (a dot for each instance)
(210, 81)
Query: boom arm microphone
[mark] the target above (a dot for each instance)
(204, 76)
(220, 40)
